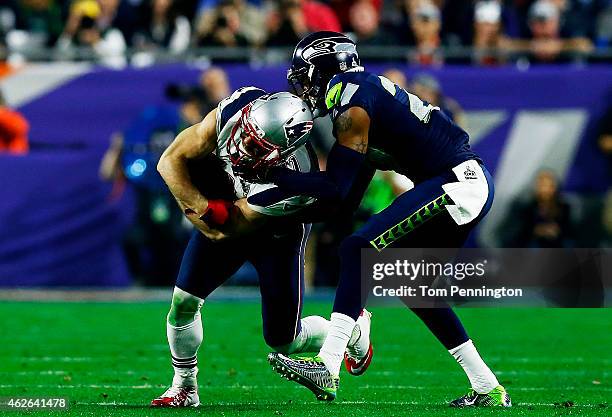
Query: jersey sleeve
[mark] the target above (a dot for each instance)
(271, 200)
(344, 92)
(231, 105)
(277, 203)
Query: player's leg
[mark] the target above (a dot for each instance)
(281, 270)
(185, 334)
(205, 266)
(442, 321)
(432, 226)
(279, 262)
(350, 299)
(427, 201)
(426, 208)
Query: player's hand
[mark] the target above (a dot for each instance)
(207, 230)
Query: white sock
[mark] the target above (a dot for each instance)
(479, 374)
(184, 342)
(311, 336)
(340, 330)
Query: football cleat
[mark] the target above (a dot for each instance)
(178, 397)
(498, 397)
(309, 372)
(356, 359)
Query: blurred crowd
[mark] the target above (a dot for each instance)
(159, 232)
(13, 130)
(426, 32)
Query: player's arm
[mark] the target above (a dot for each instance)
(351, 129)
(242, 221)
(192, 143)
(347, 156)
(344, 162)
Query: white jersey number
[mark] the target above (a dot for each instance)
(417, 106)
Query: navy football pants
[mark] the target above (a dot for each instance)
(279, 262)
(431, 227)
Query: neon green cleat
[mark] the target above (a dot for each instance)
(498, 397)
(310, 372)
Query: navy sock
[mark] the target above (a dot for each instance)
(350, 297)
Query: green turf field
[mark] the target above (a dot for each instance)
(112, 359)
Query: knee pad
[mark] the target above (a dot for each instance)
(185, 307)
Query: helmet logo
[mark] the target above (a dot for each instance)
(327, 46)
(297, 131)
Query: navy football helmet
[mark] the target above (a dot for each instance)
(316, 59)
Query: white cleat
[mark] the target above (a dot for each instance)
(359, 351)
(178, 397)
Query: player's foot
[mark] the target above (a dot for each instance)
(178, 397)
(498, 397)
(359, 351)
(309, 372)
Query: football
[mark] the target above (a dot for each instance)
(210, 178)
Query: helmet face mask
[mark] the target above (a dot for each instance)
(306, 84)
(247, 146)
(268, 130)
(298, 81)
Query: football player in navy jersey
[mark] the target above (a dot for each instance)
(378, 125)
(253, 221)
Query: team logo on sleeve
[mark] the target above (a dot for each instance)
(296, 131)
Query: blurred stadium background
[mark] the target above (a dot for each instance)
(94, 90)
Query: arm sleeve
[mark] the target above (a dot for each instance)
(313, 184)
(276, 202)
(333, 185)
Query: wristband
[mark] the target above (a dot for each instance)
(217, 212)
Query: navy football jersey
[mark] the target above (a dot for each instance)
(407, 134)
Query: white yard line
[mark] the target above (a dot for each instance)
(420, 403)
(340, 402)
(144, 372)
(513, 388)
(260, 387)
(548, 373)
(534, 360)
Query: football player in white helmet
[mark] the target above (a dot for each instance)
(248, 131)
